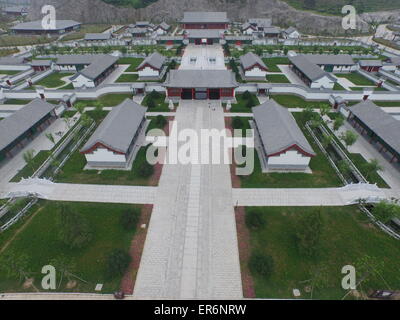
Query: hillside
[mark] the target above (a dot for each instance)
(335, 6)
(97, 11)
(324, 6)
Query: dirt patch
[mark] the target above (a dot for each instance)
(244, 253)
(136, 250)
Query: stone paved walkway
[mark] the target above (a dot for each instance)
(83, 192)
(191, 248)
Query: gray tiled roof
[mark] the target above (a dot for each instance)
(201, 79)
(155, 60)
(370, 63)
(204, 33)
(15, 9)
(382, 123)
(310, 70)
(395, 60)
(142, 23)
(138, 30)
(290, 30)
(163, 25)
(39, 63)
(22, 120)
(331, 59)
(118, 128)
(247, 25)
(250, 59)
(97, 67)
(272, 30)
(74, 59)
(98, 36)
(205, 17)
(37, 25)
(261, 22)
(278, 129)
(11, 60)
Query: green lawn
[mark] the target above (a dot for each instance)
(73, 172)
(347, 236)
(42, 232)
(128, 78)
(54, 80)
(133, 62)
(356, 78)
(338, 87)
(387, 103)
(28, 171)
(277, 78)
(17, 101)
(9, 72)
(359, 162)
(292, 101)
(108, 100)
(272, 63)
(69, 86)
(241, 105)
(161, 105)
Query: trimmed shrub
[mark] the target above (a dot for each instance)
(146, 170)
(116, 263)
(255, 220)
(261, 264)
(130, 219)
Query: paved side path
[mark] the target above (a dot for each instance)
(191, 249)
(84, 192)
(307, 197)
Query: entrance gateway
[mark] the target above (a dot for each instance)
(200, 94)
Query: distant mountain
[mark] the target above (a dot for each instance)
(97, 11)
(335, 6)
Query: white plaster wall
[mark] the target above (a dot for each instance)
(65, 68)
(324, 82)
(345, 68)
(255, 72)
(81, 81)
(291, 157)
(160, 32)
(294, 35)
(105, 155)
(249, 31)
(148, 72)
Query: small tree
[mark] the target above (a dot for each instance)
(237, 123)
(372, 167)
(255, 219)
(116, 263)
(146, 170)
(130, 219)
(326, 141)
(161, 121)
(80, 107)
(28, 158)
(349, 138)
(385, 211)
(261, 264)
(338, 123)
(51, 138)
(15, 265)
(308, 232)
(74, 231)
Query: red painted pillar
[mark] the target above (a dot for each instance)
(193, 94)
(208, 93)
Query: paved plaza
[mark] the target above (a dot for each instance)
(191, 250)
(198, 57)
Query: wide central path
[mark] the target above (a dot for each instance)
(191, 249)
